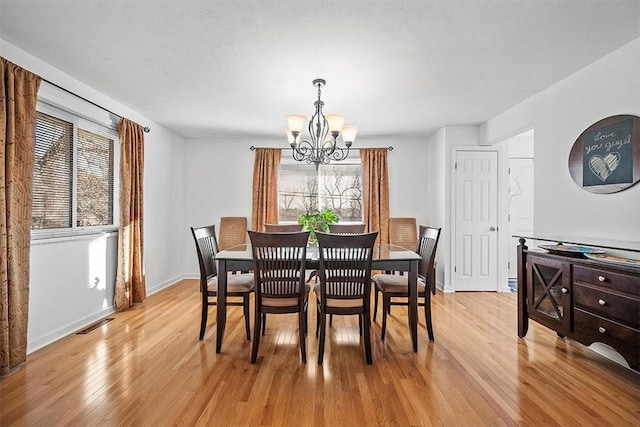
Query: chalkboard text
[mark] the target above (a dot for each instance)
(609, 144)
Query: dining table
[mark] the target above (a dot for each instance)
(385, 257)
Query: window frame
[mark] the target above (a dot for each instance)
(82, 119)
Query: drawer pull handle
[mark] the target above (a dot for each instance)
(601, 302)
(564, 290)
(602, 330)
(602, 278)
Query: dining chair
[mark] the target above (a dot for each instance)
(346, 228)
(345, 282)
(233, 231)
(278, 228)
(403, 232)
(395, 286)
(282, 228)
(342, 229)
(279, 262)
(238, 285)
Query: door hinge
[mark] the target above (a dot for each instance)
(455, 269)
(509, 171)
(508, 264)
(509, 217)
(455, 165)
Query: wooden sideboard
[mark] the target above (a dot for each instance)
(583, 299)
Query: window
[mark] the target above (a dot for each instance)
(336, 186)
(73, 174)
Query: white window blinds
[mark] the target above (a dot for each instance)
(52, 173)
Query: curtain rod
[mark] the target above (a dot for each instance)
(252, 148)
(146, 128)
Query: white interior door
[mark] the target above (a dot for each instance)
(476, 221)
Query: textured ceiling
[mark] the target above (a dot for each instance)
(401, 68)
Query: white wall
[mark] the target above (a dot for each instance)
(164, 208)
(219, 179)
(558, 115)
(72, 279)
(436, 194)
(408, 178)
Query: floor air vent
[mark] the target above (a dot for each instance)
(95, 325)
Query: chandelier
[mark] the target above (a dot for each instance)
(324, 131)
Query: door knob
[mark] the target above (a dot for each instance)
(492, 228)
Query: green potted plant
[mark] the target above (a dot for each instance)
(317, 220)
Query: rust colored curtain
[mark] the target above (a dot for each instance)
(130, 280)
(18, 95)
(375, 191)
(265, 188)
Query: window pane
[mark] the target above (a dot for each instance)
(341, 191)
(52, 184)
(95, 183)
(297, 191)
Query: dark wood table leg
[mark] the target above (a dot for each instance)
(221, 303)
(413, 303)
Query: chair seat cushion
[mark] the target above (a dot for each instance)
(285, 302)
(338, 302)
(236, 283)
(396, 284)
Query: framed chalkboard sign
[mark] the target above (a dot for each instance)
(606, 156)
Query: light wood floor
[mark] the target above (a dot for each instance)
(147, 367)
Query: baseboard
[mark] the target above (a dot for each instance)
(160, 286)
(67, 330)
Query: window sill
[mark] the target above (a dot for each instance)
(43, 237)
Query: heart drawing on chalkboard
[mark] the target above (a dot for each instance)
(602, 167)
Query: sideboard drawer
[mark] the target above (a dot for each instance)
(627, 283)
(614, 334)
(613, 306)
